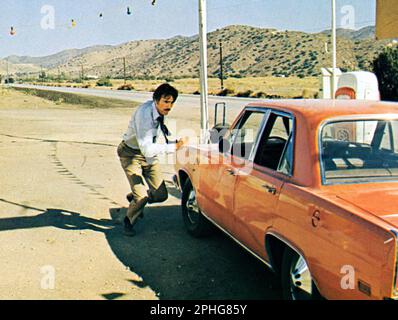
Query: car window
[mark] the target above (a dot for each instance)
(275, 150)
(286, 164)
(359, 151)
(244, 135)
(387, 142)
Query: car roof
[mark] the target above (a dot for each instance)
(326, 108)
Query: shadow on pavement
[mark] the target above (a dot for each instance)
(62, 219)
(169, 261)
(177, 266)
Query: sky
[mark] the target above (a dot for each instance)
(166, 19)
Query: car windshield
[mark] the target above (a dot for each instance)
(359, 151)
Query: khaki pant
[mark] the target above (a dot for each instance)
(138, 170)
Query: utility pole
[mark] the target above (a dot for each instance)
(334, 42)
(124, 69)
(59, 76)
(221, 67)
(82, 73)
(8, 76)
(204, 99)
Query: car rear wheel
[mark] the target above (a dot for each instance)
(196, 224)
(297, 282)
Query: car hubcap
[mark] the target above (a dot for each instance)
(192, 208)
(301, 280)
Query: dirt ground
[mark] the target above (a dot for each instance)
(62, 194)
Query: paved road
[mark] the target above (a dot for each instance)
(192, 102)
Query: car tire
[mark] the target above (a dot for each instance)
(196, 224)
(296, 279)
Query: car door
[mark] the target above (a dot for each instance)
(257, 190)
(218, 178)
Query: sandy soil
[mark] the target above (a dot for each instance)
(62, 194)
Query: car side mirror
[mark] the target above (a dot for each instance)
(224, 145)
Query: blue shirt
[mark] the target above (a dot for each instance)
(143, 131)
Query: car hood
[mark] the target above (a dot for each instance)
(381, 203)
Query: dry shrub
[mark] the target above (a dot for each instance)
(127, 87)
(225, 92)
(244, 94)
(273, 96)
(259, 95)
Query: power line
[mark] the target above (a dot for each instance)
(80, 19)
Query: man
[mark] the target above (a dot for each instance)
(139, 150)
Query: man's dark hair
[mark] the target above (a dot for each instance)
(165, 90)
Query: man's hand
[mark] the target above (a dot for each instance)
(182, 142)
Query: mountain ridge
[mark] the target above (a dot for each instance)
(247, 51)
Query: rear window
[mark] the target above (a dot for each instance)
(359, 151)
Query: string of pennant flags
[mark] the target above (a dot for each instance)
(73, 22)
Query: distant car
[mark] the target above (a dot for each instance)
(309, 187)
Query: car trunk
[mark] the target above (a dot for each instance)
(379, 202)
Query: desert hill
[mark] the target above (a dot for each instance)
(247, 51)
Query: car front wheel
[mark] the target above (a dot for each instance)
(196, 224)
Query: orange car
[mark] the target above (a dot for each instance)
(310, 188)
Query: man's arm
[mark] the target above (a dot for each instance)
(145, 133)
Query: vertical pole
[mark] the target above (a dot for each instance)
(334, 42)
(8, 76)
(221, 67)
(203, 73)
(124, 69)
(82, 75)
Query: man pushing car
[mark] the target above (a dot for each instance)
(139, 150)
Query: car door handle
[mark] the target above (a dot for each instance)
(270, 189)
